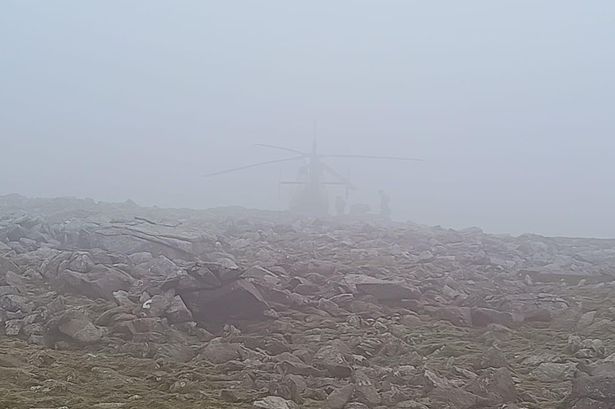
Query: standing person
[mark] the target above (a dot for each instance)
(385, 209)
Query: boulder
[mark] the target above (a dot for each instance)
(295, 366)
(35, 328)
(365, 391)
(492, 358)
(193, 278)
(586, 320)
(586, 348)
(382, 289)
(177, 312)
(432, 380)
(237, 395)
(158, 305)
(496, 385)
(342, 300)
(554, 372)
(339, 397)
(274, 402)
(332, 358)
(237, 300)
(291, 387)
(14, 303)
(174, 351)
(410, 404)
(599, 388)
(134, 327)
(460, 316)
(586, 403)
(7, 265)
(12, 328)
(356, 405)
(100, 285)
(3, 250)
(8, 289)
(16, 281)
(481, 317)
(217, 351)
(110, 316)
(140, 257)
(225, 268)
(454, 398)
(330, 307)
(75, 325)
(124, 299)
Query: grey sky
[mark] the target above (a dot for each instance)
(510, 103)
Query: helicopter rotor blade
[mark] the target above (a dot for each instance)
(269, 162)
(264, 145)
(373, 157)
(339, 176)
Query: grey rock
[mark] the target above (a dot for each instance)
(587, 403)
(554, 372)
(586, 320)
(460, 316)
(100, 284)
(299, 368)
(274, 402)
(158, 304)
(342, 299)
(410, 404)
(225, 268)
(291, 387)
(333, 358)
(382, 289)
(492, 358)
(175, 352)
(140, 257)
(237, 300)
(78, 327)
(339, 397)
(496, 385)
(12, 328)
(330, 307)
(14, 303)
(365, 391)
(128, 325)
(7, 265)
(237, 395)
(481, 317)
(16, 281)
(218, 351)
(8, 290)
(593, 388)
(194, 277)
(177, 312)
(452, 397)
(35, 328)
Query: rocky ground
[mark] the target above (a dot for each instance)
(117, 306)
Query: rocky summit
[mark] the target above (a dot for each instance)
(119, 306)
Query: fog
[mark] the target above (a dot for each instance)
(509, 104)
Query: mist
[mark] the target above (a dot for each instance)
(509, 104)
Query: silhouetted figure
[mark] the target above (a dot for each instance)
(340, 206)
(385, 209)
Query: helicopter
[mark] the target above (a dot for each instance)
(313, 178)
